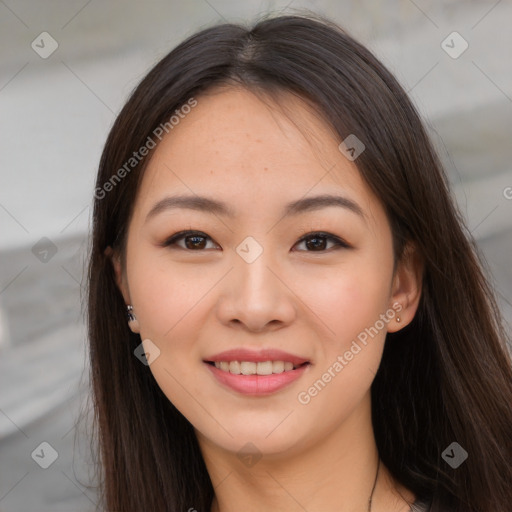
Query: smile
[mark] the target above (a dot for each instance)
(245, 378)
(253, 368)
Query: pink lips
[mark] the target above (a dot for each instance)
(257, 384)
(243, 354)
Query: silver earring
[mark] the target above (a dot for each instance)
(129, 312)
(133, 323)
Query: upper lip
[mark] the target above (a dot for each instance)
(266, 354)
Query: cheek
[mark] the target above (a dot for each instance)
(170, 309)
(351, 307)
(167, 299)
(356, 295)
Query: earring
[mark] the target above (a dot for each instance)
(129, 313)
(398, 319)
(132, 319)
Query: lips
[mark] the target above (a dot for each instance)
(243, 354)
(256, 372)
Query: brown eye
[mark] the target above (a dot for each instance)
(317, 242)
(193, 241)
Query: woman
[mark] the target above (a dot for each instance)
(286, 311)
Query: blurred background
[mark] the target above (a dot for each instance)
(66, 68)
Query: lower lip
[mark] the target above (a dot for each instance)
(257, 384)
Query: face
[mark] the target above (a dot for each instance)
(261, 271)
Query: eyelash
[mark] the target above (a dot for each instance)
(338, 242)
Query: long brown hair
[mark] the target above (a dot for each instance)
(446, 377)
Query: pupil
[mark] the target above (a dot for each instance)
(195, 244)
(315, 246)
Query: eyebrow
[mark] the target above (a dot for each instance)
(208, 205)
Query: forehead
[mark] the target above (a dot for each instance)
(250, 149)
(234, 125)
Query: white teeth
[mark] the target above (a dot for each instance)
(252, 368)
(278, 367)
(248, 368)
(234, 367)
(264, 368)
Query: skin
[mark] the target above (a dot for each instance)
(194, 303)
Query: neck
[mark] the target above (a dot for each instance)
(337, 473)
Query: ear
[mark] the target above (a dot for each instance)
(406, 287)
(115, 259)
(122, 284)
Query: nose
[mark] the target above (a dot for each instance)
(256, 296)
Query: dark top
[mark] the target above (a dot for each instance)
(420, 506)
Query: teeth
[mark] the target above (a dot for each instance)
(252, 368)
(264, 368)
(234, 367)
(278, 367)
(248, 368)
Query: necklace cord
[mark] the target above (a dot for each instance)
(373, 489)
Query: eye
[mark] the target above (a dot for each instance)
(198, 241)
(318, 241)
(193, 240)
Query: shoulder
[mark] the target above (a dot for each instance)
(426, 506)
(421, 506)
